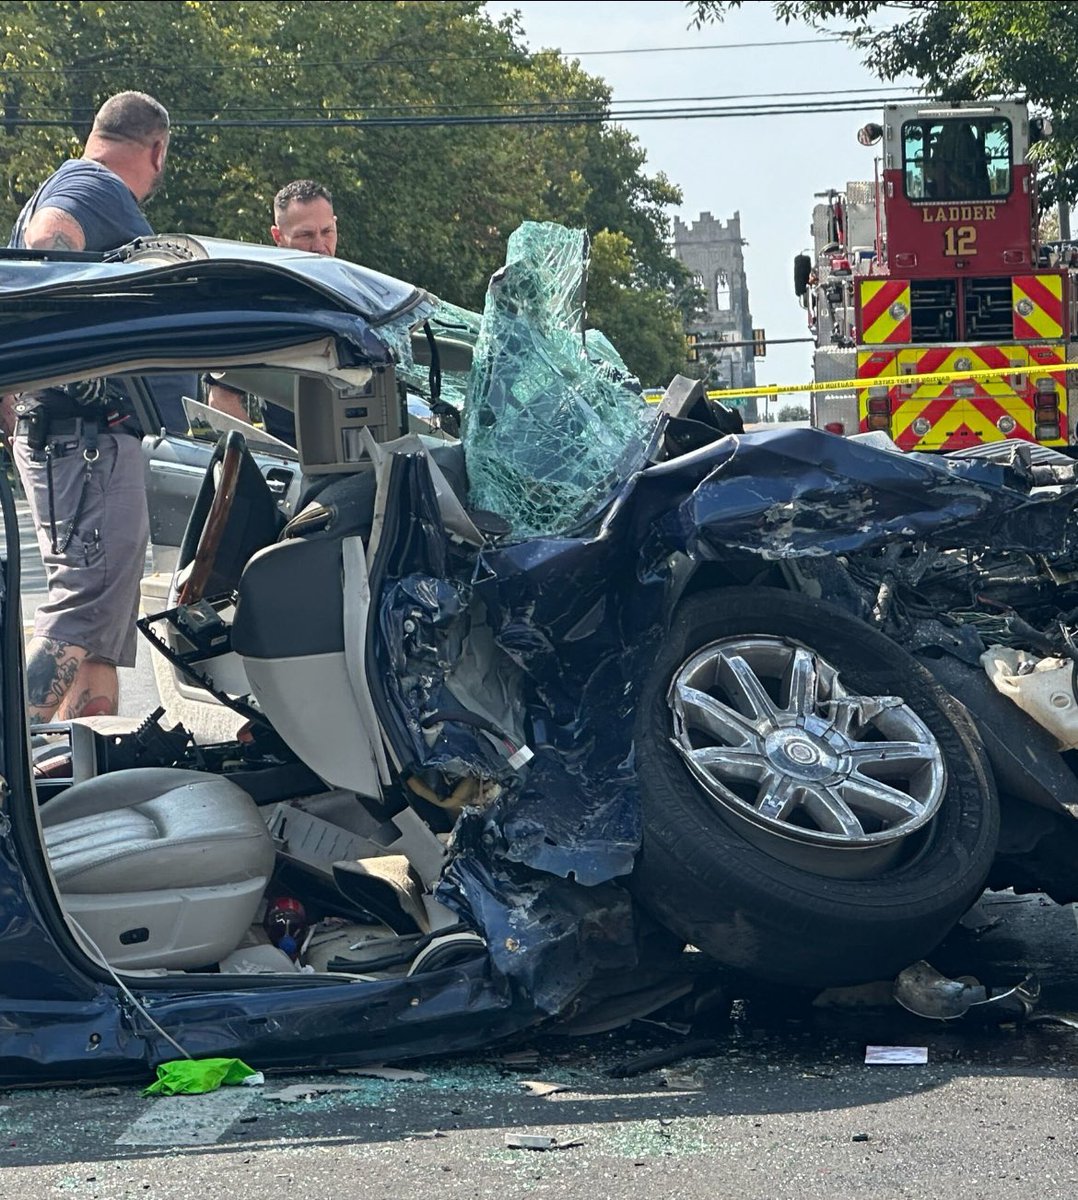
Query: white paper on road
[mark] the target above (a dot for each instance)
(187, 1120)
(915, 1055)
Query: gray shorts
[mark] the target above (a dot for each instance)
(94, 583)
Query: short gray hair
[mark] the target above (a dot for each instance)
(132, 117)
(299, 191)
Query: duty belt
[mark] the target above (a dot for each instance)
(46, 428)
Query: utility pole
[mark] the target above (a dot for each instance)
(1064, 220)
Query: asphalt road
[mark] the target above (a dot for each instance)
(780, 1103)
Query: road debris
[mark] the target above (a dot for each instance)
(896, 1055)
(538, 1141)
(296, 1092)
(923, 991)
(698, 1048)
(540, 1087)
(390, 1074)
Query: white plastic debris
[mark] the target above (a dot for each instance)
(539, 1087)
(897, 1055)
(538, 1141)
(1041, 687)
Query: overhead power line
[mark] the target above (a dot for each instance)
(114, 62)
(579, 117)
(612, 107)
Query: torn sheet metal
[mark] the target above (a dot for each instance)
(802, 492)
(922, 990)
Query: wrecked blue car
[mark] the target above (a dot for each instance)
(541, 706)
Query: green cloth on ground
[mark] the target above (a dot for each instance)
(191, 1076)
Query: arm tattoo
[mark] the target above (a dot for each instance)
(50, 671)
(56, 241)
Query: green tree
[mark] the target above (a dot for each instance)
(964, 50)
(793, 412)
(433, 204)
(641, 321)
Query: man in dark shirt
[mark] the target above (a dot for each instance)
(303, 219)
(81, 468)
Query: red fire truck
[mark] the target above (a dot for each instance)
(935, 267)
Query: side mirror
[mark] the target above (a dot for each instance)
(802, 270)
(1039, 129)
(870, 134)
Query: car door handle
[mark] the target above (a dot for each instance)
(277, 480)
(185, 469)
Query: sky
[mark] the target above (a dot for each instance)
(767, 168)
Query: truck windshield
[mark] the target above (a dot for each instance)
(963, 158)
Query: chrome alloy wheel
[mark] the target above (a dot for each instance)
(809, 770)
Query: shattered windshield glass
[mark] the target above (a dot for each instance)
(553, 417)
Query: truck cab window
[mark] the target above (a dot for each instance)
(957, 158)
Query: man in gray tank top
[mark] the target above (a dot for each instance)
(77, 452)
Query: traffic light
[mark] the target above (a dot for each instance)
(759, 343)
(691, 352)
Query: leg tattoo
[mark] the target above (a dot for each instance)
(51, 667)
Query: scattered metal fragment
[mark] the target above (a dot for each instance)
(391, 1074)
(698, 1048)
(538, 1141)
(1068, 1019)
(99, 1093)
(539, 1087)
(860, 1137)
(923, 991)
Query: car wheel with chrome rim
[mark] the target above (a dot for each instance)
(816, 809)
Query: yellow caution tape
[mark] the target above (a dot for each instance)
(889, 381)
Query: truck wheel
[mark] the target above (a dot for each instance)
(817, 811)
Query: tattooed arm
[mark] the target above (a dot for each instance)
(54, 229)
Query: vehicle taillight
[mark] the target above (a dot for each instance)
(835, 427)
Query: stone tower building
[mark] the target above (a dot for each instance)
(711, 250)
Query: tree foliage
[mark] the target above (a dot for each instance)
(964, 50)
(433, 204)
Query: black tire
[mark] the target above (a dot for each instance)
(725, 895)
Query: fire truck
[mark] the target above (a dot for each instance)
(935, 267)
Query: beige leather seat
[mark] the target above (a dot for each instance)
(160, 867)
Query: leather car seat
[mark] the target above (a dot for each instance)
(159, 867)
